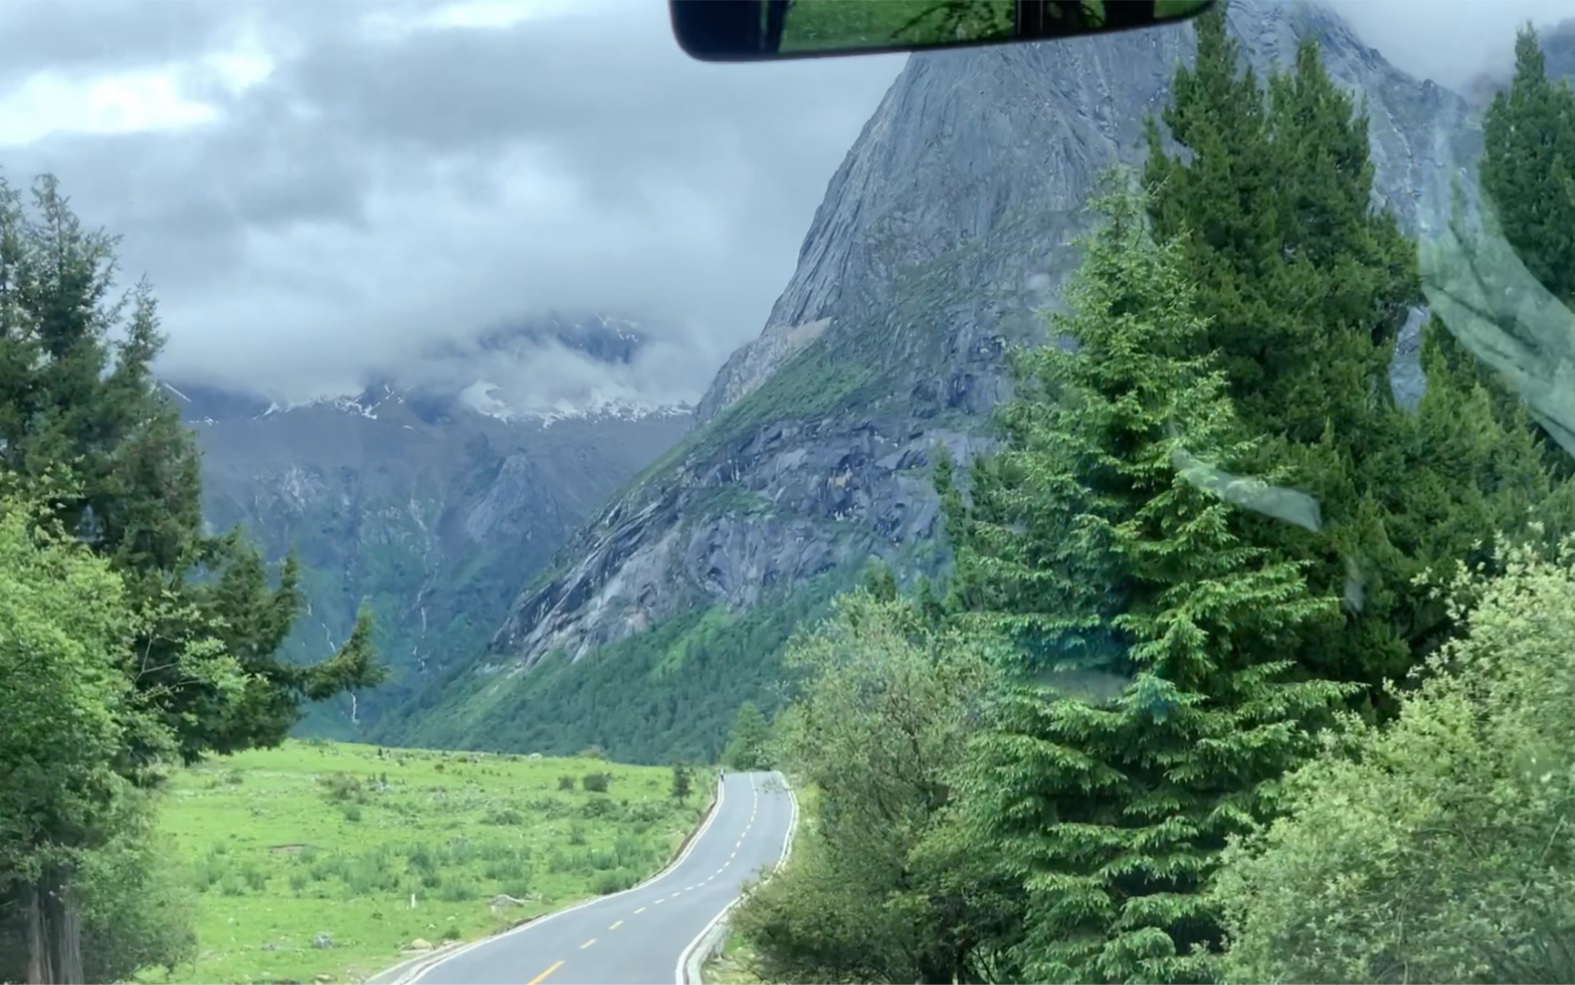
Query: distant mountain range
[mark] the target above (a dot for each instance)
(452, 378)
(437, 498)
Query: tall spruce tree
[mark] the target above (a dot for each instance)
(1306, 287)
(1528, 167)
(1527, 175)
(1111, 809)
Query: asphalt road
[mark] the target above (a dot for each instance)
(639, 936)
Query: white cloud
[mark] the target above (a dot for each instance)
(397, 23)
(170, 97)
(47, 103)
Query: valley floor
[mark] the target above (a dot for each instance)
(329, 862)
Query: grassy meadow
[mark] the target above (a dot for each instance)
(323, 861)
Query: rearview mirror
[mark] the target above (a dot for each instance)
(767, 30)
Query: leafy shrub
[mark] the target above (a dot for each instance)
(598, 808)
(343, 787)
(1436, 848)
(506, 816)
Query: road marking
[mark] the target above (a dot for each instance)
(640, 910)
(616, 924)
(588, 943)
(537, 980)
(661, 901)
(687, 888)
(415, 975)
(730, 857)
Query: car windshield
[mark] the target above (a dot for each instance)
(486, 496)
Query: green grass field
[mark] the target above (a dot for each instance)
(324, 859)
(817, 25)
(813, 25)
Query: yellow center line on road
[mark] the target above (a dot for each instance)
(616, 924)
(538, 979)
(588, 943)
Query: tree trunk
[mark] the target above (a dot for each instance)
(39, 971)
(65, 929)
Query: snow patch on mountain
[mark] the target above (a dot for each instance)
(534, 371)
(486, 397)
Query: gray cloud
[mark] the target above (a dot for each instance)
(1449, 42)
(379, 191)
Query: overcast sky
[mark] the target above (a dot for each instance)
(317, 188)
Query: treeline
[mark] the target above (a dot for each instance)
(130, 639)
(1245, 673)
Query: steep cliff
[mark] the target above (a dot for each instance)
(947, 230)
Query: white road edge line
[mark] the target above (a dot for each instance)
(414, 976)
(679, 973)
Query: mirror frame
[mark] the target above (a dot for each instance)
(675, 9)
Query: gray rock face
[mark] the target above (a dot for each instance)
(946, 232)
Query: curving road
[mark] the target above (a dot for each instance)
(641, 935)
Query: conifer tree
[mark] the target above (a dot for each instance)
(1306, 286)
(1527, 175)
(77, 394)
(1528, 167)
(84, 423)
(1111, 809)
